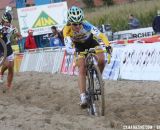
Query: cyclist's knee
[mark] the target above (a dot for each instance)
(101, 58)
(82, 70)
(10, 65)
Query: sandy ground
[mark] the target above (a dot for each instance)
(43, 101)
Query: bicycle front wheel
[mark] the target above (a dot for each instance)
(3, 52)
(97, 100)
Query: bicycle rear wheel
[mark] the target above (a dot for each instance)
(96, 88)
(3, 52)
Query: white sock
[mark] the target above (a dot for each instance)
(82, 95)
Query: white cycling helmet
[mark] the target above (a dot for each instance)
(8, 9)
(75, 15)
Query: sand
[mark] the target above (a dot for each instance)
(44, 101)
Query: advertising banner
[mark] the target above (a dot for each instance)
(141, 62)
(134, 33)
(41, 18)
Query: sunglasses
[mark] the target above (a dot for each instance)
(76, 24)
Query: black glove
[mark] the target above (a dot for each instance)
(109, 49)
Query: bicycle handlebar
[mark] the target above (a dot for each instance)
(96, 51)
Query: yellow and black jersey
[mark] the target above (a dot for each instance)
(84, 33)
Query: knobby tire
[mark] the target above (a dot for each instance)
(98, 100)
(3, 52)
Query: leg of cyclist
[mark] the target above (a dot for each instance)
(82, 80)
(101, 61)
(3, 69)
(10, 74)
(89, 43)
(9, 64)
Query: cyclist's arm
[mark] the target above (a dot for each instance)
(67, 39)
(95, 31)
(104, 39)
(100, 35)
(18, 35)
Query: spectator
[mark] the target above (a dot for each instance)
(30, 41)
(56, 38)
(133, 22)
(156, 23)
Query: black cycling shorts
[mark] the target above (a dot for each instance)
(89, 43)
(9, 49)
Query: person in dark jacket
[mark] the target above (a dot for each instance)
(134, 23)
(156, 23)
(30, 41)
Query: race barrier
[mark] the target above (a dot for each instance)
(131, 62)
(68, 65)
(151, 39)
(42, 60)
(133, 33)
(140, 62)
(111, 71)
(134, 62)
(17, 61)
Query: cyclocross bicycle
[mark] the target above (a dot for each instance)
(3, 49)
(95, 85)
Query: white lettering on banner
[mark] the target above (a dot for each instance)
(144, 34)
(141, 62)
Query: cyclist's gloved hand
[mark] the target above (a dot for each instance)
(109, 49)
(70, 51)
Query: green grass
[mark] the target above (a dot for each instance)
(117, 15)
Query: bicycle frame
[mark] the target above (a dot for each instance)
(92, 73)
